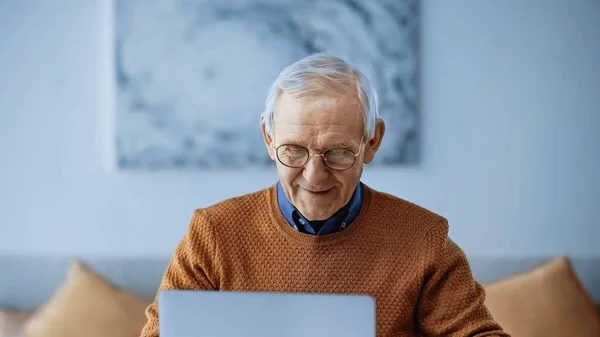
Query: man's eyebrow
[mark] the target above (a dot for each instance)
(338, 145)
(291, 142)
(348, 145)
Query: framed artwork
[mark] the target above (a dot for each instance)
(192, 75)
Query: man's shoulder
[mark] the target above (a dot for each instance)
(222, 221)
(240, 205)
(403, 221)
(396, 208)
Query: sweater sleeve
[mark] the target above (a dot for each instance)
(192, 267)
(452, 302)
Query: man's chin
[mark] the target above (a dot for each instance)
(312, 214)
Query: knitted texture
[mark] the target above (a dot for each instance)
(395, 251)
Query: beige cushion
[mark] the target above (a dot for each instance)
(12, 323)
(547, 301)
(86, 304)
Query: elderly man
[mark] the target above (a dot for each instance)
(320, 229)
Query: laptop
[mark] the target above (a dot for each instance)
(185, 313)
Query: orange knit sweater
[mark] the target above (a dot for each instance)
(394, 251)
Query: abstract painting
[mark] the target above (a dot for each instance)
(192, 75)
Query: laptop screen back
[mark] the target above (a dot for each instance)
(228, 314)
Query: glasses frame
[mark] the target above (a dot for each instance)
(322, 154)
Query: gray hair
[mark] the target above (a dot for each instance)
(317, 73)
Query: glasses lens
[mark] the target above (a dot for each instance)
(339, 159)
(291, 155)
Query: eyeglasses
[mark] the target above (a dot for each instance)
(296, 156)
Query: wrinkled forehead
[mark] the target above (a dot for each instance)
(319, 121)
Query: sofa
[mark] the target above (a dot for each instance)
(54, 296)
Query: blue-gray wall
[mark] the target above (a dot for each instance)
(510, 118)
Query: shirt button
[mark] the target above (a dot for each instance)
(344, 225)
(301, 221)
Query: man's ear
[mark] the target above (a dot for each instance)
(268, 139)
(373, 145)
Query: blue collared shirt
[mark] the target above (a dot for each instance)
(339, 221)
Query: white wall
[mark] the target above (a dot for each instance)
(510, 101)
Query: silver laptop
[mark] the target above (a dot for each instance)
(247, 314)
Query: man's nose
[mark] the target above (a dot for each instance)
(315, 171)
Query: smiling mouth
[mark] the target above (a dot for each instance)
(318, 191)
